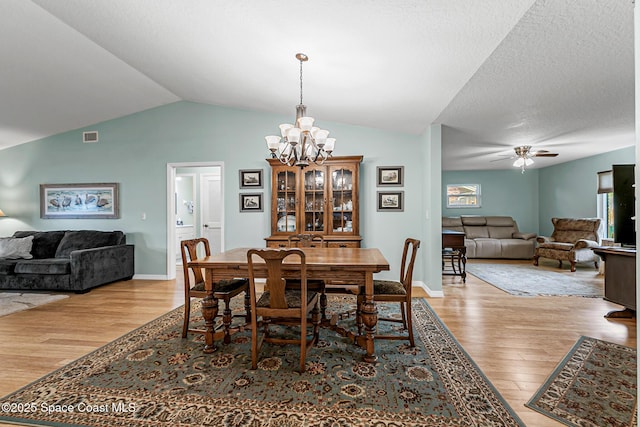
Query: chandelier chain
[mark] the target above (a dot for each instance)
(301, 82)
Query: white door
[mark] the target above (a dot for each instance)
(212, 212)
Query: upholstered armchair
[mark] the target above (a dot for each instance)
(571, 240)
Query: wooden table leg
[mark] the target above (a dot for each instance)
(209, 312)
(369, 315)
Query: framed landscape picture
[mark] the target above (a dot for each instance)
(392, 201)
(79, 200)
(390, 175)
(251, 202)
(251, 178)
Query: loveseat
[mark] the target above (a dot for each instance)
(572, 240)
(73, 260)
(492, 236)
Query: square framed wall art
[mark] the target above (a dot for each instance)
(392, 201)
(251, 202)
(390, 175)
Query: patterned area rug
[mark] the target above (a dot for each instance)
(153, 377)
(594, 385)
(11, 302)
(529, 280)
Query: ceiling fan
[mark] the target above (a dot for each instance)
(524, 156)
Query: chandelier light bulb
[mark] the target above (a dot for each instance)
(273, 142)
(305, 123)
(284, 128)
(329, 144)
(293, 135)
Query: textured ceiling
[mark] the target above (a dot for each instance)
(554, 74)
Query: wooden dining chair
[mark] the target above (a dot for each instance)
(318, 285)
(392, 291)
(223, 290)
(279, 305)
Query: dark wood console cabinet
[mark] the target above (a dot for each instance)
(619, 278)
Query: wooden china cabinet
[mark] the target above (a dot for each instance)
(318, 199)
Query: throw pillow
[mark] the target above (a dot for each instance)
(16, 247)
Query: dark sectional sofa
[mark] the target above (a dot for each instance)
(72, 260)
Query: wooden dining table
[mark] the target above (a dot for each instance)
(350, 265)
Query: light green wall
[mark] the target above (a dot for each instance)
(503, 192)
(569, 189)
(134, 151)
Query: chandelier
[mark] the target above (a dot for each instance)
(302, 143)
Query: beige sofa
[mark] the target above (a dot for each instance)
(492, 236)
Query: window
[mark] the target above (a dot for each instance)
(605, 203)
(463, 195)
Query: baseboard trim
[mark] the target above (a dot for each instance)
(150, 277)
(430, 292)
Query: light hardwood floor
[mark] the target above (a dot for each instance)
(516, 341)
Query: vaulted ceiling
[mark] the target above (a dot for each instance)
(554, 74)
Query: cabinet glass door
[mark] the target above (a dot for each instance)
(342, 200)
(286, 202)
(314, 200)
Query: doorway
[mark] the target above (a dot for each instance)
(195, 207)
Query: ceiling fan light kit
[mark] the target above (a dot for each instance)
(302, 143)
(524, 156)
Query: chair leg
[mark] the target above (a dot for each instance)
(323, 304)
(573, 266)
(359, 322)
(247, 306)
(404, 315)
(535, 259)
(315, 318)
(303, 342)
(559, 263)
(410, 324)
(226, 321)
(254, 344)
(187, 313)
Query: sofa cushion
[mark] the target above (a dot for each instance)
(45, 243)
(473, 220)
(44, 266)
(453, 223)
(488, 248)
(476, 232)
(500, 221)
(16, 247)
(500, 232)
(7, 266)
(87, 239)
(560, 246)
(571, 230)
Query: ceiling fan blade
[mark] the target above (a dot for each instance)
(543, 154)
(503, 158)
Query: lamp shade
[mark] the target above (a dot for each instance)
(2, 213)
(273, 142)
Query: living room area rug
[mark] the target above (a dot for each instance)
(594, 385)
(529, 280)
(153, 377)
(11, 302)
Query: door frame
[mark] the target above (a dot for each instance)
(170, 209)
